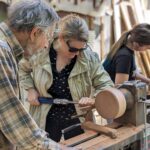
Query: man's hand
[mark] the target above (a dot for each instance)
(33, 97)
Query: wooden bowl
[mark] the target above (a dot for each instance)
(110, 103)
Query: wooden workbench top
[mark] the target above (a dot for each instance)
(125, 135)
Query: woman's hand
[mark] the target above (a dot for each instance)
(86, 101)
(33, 97)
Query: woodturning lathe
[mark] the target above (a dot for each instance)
(125, 105)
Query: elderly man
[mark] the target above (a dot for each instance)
(24, 34)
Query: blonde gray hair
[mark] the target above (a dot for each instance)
(73, 27)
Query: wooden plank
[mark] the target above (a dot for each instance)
(145, 4)
(108, 33)
(148, 54)
(140, 63)
(114, 2)
(146, 63)
(102, 39)
(138, 10)
(106, 37)
(128, 14)
(102, 142)
(116, 20)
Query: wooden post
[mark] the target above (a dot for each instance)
(116, 20)
(102, 43)
(146, 63)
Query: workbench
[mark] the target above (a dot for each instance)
(126, 136)
(129, 129)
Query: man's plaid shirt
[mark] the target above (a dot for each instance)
(15, 123)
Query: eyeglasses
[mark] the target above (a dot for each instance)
(48, 32)
(74, 50)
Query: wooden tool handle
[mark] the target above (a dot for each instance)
(100, 129)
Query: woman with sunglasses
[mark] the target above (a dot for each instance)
(69, 70)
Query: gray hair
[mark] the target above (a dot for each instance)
(26, 14)
(73, 27)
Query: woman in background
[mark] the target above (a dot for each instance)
(120, 61)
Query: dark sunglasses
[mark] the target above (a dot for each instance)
(73, 49)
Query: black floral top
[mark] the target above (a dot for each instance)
(60, 89)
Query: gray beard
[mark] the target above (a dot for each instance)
(28, 52)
